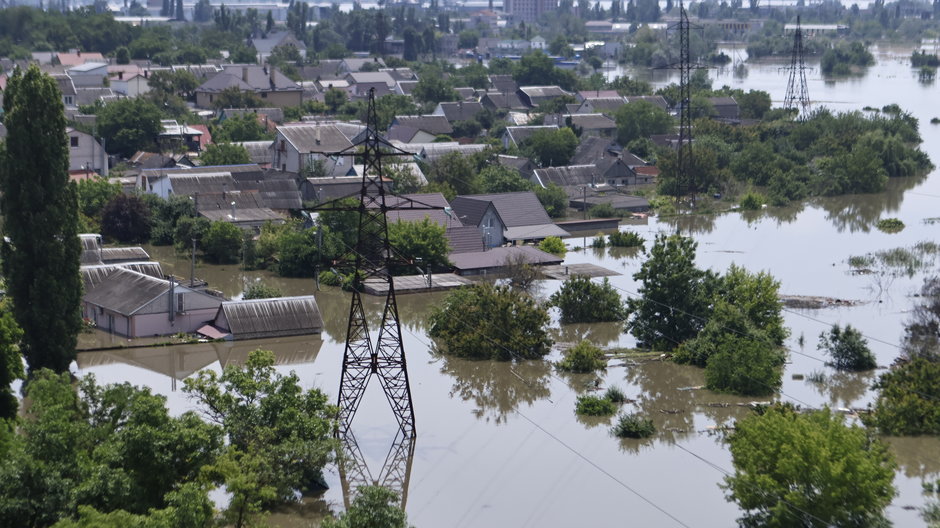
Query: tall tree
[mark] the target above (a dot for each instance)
(42, 251)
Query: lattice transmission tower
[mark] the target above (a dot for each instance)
(685, 163)
(797, 91)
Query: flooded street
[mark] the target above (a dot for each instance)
(500, 445)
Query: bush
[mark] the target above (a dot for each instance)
(625, 239)
(484, 321)
(909, 399)
(744, 366)
(615, 394)
(631, 425)
(594, 406)
(584, 357)
(222, 243)
(260, 290)
(600, 241)
(751, 201)
(890, 225)
(847, 348)
(582, 301)
(329, 278)
(126, 219)
(553, 245)
(602, 210)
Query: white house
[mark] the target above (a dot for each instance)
(85, 153)
(298, 146)
(130, 84)
(89, 74)
(538, 43)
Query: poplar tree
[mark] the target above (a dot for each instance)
(41, 251)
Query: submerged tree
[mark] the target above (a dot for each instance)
(42, 251)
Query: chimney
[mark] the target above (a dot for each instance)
(245, 74)
(120, 76)
(171, 295)
(79, 52)
(271, 76)
(318, 135)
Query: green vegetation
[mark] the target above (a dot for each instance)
(373, 507)
(495, 322)
(839, 59)
(11, 369)
(225, 154)
(594, 406)
(600, 241)
(630, 425)
(424, 243)
(551, 148)
(553, 245)
(625, 239)
(615, 394)
(126, 219)
(921, 339)
(93, 194)
(41, 250)
(583, 357)
(222, 243)
(847, 348)
(641, 119)
(553, 199)
(808, 469)
(890, 225)
(129, 125)
(751, 201)
(744, 365)
(582, 301)
(908, 399)
(899, 261)
(260, 290)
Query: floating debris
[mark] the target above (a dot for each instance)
(811, 302)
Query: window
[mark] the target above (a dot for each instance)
(73, 141)
(68, 99)
(264, 95)
(179, 303)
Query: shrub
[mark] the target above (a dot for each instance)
(222, 243)
(600, 241)
(630, 425)
(625, 239)
(582, 301)
(751, 201)
(847, 348)
(890, 225)
(584, 357)
(260, 290)
(602, 210)
(615, 394)
(329, 278)
(553, 245)
(909, 399)
(594, 406)
(745, 366)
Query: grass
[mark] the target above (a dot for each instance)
(615, 395)
(630, 425)
(890, 225)
(594, 406)
(817, 376)
(907, 261)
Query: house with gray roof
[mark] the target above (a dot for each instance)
(495, 260)
(459, 110)
(593, 149)
(304, 147)
(263, 318)
(601, 105)
(133, 304)
(656, 100)
(607, 171)
(355, 64)
(508, 101)
(516, 135)
(272, 86)
(587, 124)
(533, 96)
(265, 45)
(506, 217)
(726, 108)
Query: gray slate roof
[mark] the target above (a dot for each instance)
(515, 209)
(432, 205)
(461, 110)
(464, 239)
(591, 149)
(567, 176)
(282, 316)
(125, 291)
(432, 124)
(304, 137)
(94, 275)
(497, 257)
(123, 254)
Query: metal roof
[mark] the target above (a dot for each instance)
(433, 124)
(497, 257)
(94, 275)
(281, 316)
(127, 254)
(315, 137)
(465, 239)
(125, 291)
(515, 208)
(536, 232)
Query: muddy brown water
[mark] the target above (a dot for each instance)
(500, 445)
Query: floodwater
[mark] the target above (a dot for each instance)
(500, 445)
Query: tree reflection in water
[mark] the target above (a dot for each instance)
(859, 212)
(844, 388)
(497, 388)
(599, 334)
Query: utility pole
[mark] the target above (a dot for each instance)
(797, 91)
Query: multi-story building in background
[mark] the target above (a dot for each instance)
(528, 10)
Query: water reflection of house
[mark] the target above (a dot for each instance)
(134, 304)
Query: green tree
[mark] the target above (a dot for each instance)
(94, 194)
(582, 301)
(279, 436)
(553, 245)
(260, 290)
(225, 154)
(389, 106)
(433, 88)
(129, 125)
(502, 179)
(641, 119)
(674, 295)
(122, 55)
(808, 469)
(334, 98)
(11, 367)
(373, 507)
(245, 127)
(222, 243)
(909, 399)
(188, 507)
(551, 148)
(484, 321)
(233, 97)
(553, 199)
(753, 104)
(423, 242)
(455, 171)
(847, 348)
(41, 251)
(583, 357)
(744, 365)
(126, 219)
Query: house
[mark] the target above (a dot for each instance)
(355, 64)
(418, 206)
(502, 83)
(507, 101)
(521, 164)
(130, 84)
(587, 124)
(92, 95)
(725, 108)
(67, 87)
(601, 105)
(86, 153)
(592, 149)
(304, 148)
(538, 43)
(272, 86)
(419, 129)
(608, 171)
(88, 74)
(259, 152)
(264, 318)
(533, 96)
(596, 94)
(133, 304)
(458, 111)
(369, 79)
(494, 260)
(516, 135)
(175, 135)
(656, 100)
(265, 46)
(506, 217)
(77, 57)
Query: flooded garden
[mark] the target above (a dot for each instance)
(499, 444)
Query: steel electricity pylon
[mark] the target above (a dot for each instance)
(797, 93)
